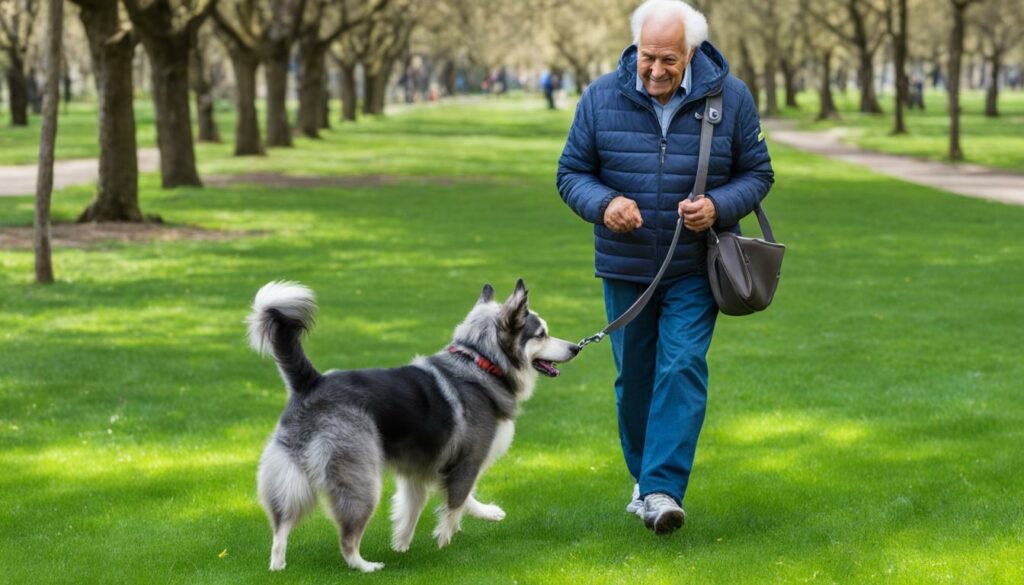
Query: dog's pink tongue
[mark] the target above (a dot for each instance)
(546, 368)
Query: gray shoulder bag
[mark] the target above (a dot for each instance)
(744, 272)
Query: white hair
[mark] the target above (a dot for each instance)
(695, 23)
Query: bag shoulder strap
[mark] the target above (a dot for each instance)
(711, 117)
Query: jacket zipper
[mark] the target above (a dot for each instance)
(657, 199)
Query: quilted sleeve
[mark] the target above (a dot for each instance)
(577, 179)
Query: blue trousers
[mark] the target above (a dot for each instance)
(662, 384)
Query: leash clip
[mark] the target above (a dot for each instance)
(592, 339)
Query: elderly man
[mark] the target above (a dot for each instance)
(628, 167)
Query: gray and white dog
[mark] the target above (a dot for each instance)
(440, 421)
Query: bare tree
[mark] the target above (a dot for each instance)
(376, 45)
(956, 50)
(770, 28)
(1001, 27)
(168, 29)
(325, 22)
(112, 49)
(748, 73)
(821, 48)
(202, 83)
(790, 50)
(898, 32)
(282, 32)
(579, 31)
(244, 29)
(17, 19)
(48, 142)
(859, 23)
(347, 53)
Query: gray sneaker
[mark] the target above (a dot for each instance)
(636, 505)
(662, 514)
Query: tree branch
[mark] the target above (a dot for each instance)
(237, 37)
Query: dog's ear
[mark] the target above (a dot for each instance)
(486, 295)
(516, 308)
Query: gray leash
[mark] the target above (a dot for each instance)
(712, 115)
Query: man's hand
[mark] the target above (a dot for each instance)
(699, 214)
(622, 215)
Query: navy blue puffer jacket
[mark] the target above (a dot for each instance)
(615, 148)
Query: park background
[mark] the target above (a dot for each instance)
(396, 155)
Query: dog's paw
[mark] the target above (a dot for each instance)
(366, 566)
(401, 543)
(443, 534)
(488, 512)
(277, 564)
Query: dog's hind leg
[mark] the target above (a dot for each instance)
(354, 478)
(406, 506)
(286, 495)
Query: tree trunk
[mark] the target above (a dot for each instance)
(381, 94)
(47, 142)
(827, 109)
(582, 78)
(311, 85)
(448, 77)
(348, 91)
(247, 126)
(325, 102)
(279, 132)
(168, 58)
(992, 91)
(789, 82)
(771, 106)
(204, 98)
(866, 80)
(956, 49)
(17, 90)
(371, 87)
(902, 82)
(748, 74)
(117, 188)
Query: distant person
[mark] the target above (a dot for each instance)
(501, 84)
(917, 93)
(628, 167)
(547, 84)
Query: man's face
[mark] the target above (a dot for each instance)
(662, 58)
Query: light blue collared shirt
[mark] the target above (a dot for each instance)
(665, 112)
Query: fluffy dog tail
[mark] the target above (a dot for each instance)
(281, 314)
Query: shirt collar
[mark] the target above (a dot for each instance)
(685, 85)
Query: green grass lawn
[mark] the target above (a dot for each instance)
(867, 428)
(996, 142)
(76, 136)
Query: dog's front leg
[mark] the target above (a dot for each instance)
(458, 486)
(490, 512)
(449, 521)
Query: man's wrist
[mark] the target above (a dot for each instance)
(603, 208)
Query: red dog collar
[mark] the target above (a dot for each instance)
(481, 362)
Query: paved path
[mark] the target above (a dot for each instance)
(962, 179)
(21, 179)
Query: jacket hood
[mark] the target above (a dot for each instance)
(708, 67)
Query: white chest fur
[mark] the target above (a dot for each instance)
(502, 441)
